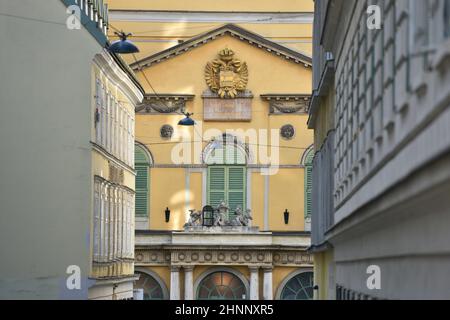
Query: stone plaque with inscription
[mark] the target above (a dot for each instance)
(236, 109)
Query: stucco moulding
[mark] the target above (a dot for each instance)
(164, 103)
(167, 257)
(287, 103)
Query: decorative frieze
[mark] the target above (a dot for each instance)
(152, 257)
(287, 103)
(292, 258)
(164, 103)
(220, 256)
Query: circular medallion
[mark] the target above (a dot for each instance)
(166, 131)
(291, 258)
(181, 256)
(276, 257)
(287, 131)
(208, 256)
(194, 257)
(234, 257)
(248, 257)
(139, 257)
(260, 257)
(154, 256)
(221, 257)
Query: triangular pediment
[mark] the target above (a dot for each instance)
(230, 30)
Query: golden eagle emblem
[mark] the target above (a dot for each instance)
(226, 76)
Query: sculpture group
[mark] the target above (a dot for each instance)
(221, 217)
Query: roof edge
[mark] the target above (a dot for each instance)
(234, 30)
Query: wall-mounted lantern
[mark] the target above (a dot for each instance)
(286, 216)
(167, 212)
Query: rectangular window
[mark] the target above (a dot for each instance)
(97, 222)
(106, 122)
(97, 111)
(119, 222)
(111, 223)
(103, 115)
(129, 224)
(447, 18)
(103, 234)
(227, 183)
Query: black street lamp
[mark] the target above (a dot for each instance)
(187, 121)
(286, 217)
(167, 212)
(123, 46)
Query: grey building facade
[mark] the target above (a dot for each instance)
(381, 111)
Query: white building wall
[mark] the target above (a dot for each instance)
(45, 133)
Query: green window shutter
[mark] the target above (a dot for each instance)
(216, 185)
(139, 156)
(236, 188)
(308, 190)
(227, 183)
(141, 189)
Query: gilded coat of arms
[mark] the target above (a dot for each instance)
(227, 75)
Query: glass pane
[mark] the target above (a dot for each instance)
(152, 289)
(221, 285)
(299, 287)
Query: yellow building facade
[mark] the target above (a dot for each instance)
(246, 85)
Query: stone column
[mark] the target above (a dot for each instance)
(267, 286)
(188, 283)
(174, 283)
(254, 283)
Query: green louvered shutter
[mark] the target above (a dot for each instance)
(216, 185)
(308, 190)
(141, 189)
(142, 181)
(236, 188)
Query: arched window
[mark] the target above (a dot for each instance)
(308, 158)
(221, 285)
(153, 289)
(142, 162)
(226, 175)
(299, 287)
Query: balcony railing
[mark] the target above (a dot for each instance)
(96, 11)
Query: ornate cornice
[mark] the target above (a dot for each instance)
(233, 31)
(110, 67)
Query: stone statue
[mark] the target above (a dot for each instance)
(221, 215)
(194, 218)
(241, 218)
(247, 217)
